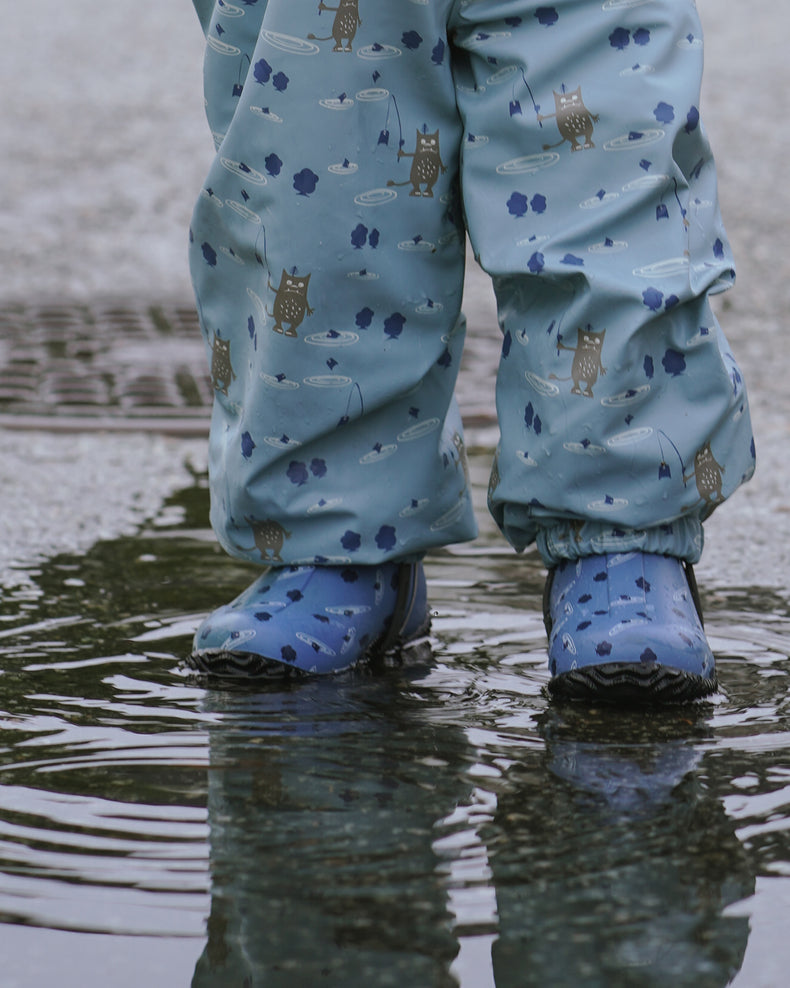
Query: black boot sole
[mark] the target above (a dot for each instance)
(240, 667)
(622, 682)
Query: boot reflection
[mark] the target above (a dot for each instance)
(321, 808)
(619, 874)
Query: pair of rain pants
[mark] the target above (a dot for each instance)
(358, 143)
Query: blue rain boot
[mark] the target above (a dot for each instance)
(316, 620)
(627, 627)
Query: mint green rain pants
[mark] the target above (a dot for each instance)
(357, 143)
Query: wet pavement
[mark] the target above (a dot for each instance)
(434, 825)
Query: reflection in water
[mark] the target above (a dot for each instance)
(321, 806)
(359, 837)
(421, 827)
(630, 860)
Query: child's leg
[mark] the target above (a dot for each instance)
(590, 195)
(327, 257)
(592, 202)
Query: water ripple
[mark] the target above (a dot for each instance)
(447, 817)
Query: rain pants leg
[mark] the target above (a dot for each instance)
(357, 142)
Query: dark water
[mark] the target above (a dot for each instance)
(427, 826)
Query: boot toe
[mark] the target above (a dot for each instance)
(312, 620)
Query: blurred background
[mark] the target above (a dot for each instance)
(105, 148)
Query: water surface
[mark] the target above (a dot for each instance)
(436, 825)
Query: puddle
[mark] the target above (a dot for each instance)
(427, 826)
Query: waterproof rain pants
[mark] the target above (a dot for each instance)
(358, 142)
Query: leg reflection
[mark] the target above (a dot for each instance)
(363, 834)
(322, 801)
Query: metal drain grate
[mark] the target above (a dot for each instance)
(117, 366)
(109, 366)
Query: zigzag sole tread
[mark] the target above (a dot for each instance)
(620, 682)
(246, 666)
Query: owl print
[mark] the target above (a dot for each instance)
(426, 167)
(574, 120)
(344, 26)
(269, 538)
(707, 475)
(290, 303)
(222, 374)
(586, 360)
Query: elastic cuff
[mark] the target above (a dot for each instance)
(682, 538)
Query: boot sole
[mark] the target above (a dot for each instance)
(249, 667)
(622, 682)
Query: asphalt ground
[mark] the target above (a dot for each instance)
(105, 148)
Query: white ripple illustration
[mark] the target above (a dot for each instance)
(244, 211)
(222, 47)
(321, 506)
(379, 453)
(502, 75)
(528, 164)
(375, 197)
(335, 103)
(328, 381)
(290, 44)
(333, 338)
(449, 517)
(541, 385)
(663, 269)
(344, 168)
(626, 397)
(283, 383)
(373, 94)
(607, 503)
(281, 442)
(374, 53)
(630, 437)
(584, 449)
(419, 430)
(240, 169)
(266, 114)
(649, 182)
